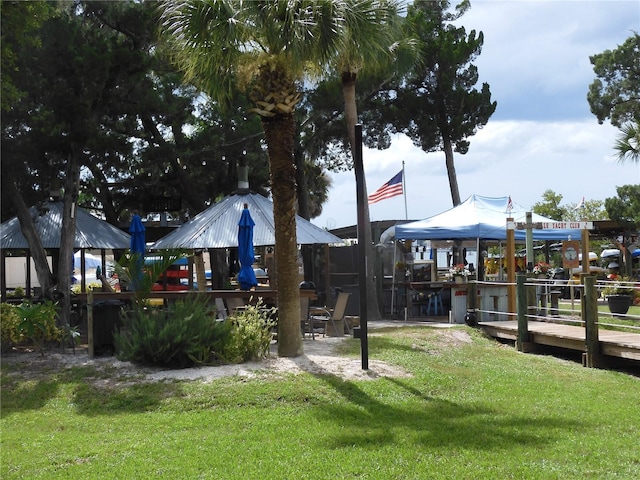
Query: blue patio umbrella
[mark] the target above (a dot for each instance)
(137, 244)
(246, 276)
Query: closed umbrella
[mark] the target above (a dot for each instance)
(246, 276)
(137, 246)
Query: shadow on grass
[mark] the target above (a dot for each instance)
(435, 422)
(90, 391)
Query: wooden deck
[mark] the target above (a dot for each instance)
(612, 343)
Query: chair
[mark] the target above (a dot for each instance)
(305, 320)
(435, 304)
(234, 304)
(337, 315)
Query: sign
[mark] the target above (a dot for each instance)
(523, 225)
(162, 204)
(556, 225)
(570, 251)
(567, 225)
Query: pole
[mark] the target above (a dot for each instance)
(529, 241)
(404, 192)
(523, 321)
(510, 259)
(393, 278)
(362, 251)
(590, 315)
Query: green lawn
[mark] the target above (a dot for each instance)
(469, 409)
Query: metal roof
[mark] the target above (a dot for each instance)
(217, 226)
(91, 232)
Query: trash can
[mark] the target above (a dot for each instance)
(106, 320)
(307, 285)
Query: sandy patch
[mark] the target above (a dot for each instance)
(319, 357)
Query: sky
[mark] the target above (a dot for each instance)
(542, 135)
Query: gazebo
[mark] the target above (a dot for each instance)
(217, 226)
(91, 233)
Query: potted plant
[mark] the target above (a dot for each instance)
(541, 269)
(459, 273)
(619, 295)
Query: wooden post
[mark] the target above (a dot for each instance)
(590, 311)
(522, 304)
(511, 273)
(529, 241)
(90, 323)
(584, 233)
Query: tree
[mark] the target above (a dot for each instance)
(372, 41)
(438, 106)
(550, 206)
(587, 210)
(266, 47)
(69, 82)
(625, 209)
(20, 23)
(615, 94)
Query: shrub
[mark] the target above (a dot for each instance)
(18, 292)
(250, 335)
(35, 324)
(8, 326)
(621, 286)
(183, 335)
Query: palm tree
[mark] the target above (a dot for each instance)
(628, 143)
(372, 40)
(266, 47)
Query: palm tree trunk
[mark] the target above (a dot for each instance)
(279, 136)
(351, 116)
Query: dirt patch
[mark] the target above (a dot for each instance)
(320, 357)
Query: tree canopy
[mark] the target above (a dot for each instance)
(625, 208)
(615, 94)
(438, 106)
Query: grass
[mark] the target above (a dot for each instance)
(474, 410)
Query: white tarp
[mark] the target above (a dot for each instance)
(479, 217)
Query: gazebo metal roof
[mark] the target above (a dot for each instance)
(217, 226)
(91, 232)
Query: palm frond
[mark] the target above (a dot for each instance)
(628, 143)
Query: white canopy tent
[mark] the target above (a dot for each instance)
(479, 217)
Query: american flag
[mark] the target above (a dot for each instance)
(390, 189)
(509, 205)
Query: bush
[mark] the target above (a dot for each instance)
(8, 326)
(621, 286)
(183, 335)
(33, 323)
(250, 335)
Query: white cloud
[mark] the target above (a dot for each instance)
(520, 159)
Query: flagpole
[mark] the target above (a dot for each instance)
(404, 192)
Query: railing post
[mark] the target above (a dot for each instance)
(522, 306)
(91, 351)
(590, 312)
